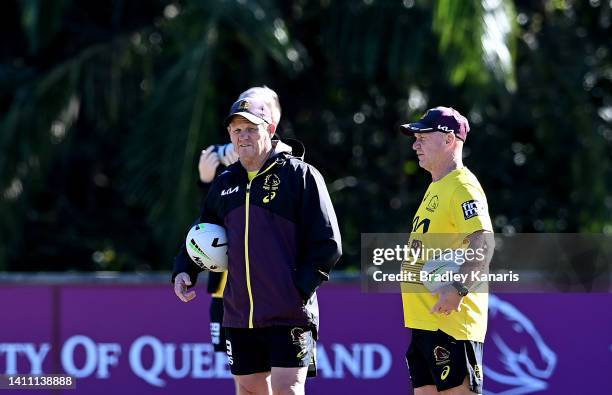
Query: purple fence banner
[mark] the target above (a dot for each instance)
(140, 339)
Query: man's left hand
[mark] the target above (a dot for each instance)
(449, 301)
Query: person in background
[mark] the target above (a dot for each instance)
(213, 160)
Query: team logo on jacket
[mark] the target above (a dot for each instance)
(473, 208)
(271, 184)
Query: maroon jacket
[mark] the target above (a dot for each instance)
(283, 240)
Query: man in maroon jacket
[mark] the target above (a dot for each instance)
(283, 240)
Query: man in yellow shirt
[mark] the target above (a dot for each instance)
(448, 326)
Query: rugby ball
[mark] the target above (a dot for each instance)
(207, 246)
(437, 273)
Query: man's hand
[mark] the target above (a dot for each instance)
(449, 301)
(209, 161)
(230, 155)
(181, 282)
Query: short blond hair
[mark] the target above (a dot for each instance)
(268, 96)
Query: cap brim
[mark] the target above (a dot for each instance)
(250, 117)
(417, 127)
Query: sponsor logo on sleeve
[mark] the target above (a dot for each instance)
(473, 208)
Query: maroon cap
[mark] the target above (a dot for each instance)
(253, 109)
(439, 119)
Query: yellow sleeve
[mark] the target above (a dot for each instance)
(469, 209)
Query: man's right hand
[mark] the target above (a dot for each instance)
(207, 166)
(181, 282)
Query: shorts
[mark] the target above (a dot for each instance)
(217, 334)
(260, 349)
(435, 358)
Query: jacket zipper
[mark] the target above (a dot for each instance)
(246, 246)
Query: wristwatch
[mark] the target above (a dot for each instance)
(462, 290)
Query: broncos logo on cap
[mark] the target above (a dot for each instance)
(244, 105)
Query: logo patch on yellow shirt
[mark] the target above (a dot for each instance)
(473, 208)
(433, 204)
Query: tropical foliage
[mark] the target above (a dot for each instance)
(106, 105)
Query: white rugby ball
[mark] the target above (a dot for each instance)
(439, 273)
(207, 246)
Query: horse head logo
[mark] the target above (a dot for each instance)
(521, 362)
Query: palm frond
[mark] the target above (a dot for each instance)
(182, 113)
(477, 40)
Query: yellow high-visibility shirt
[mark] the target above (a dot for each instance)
(453, 207)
